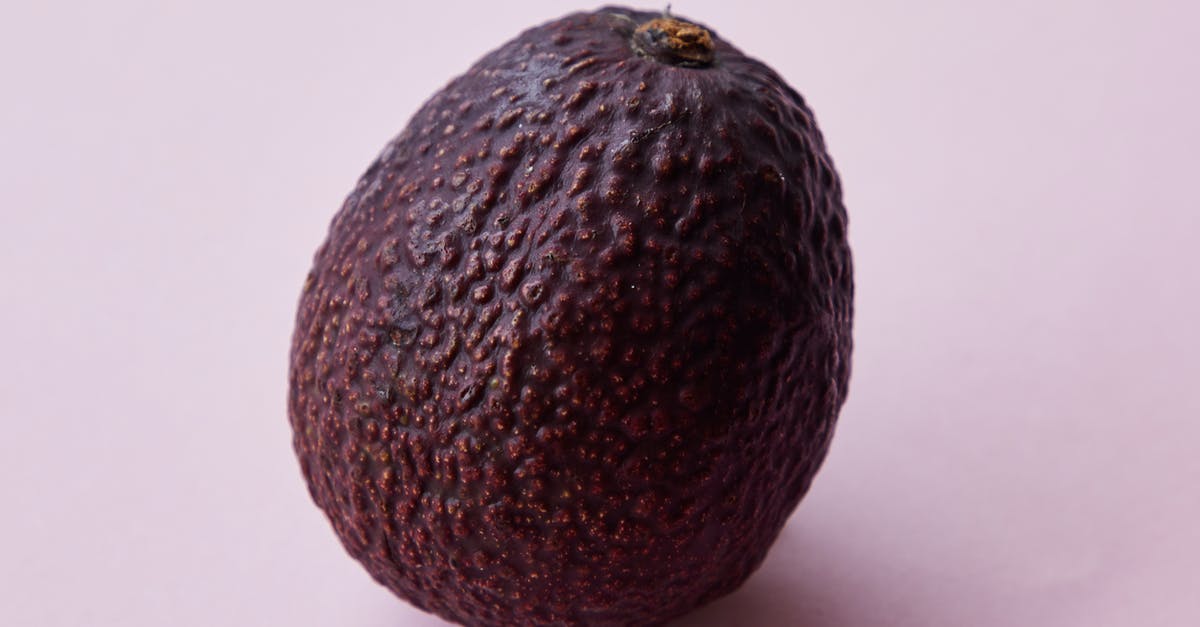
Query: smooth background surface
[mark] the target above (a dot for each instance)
(1020, 446)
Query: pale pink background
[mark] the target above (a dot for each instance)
(1021, 442)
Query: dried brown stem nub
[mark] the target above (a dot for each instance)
(675, 42)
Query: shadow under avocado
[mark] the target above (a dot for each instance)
(782, 592)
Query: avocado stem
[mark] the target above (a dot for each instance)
(675, 42)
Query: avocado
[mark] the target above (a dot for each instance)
(576, 343)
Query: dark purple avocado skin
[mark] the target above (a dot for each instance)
(576, 343)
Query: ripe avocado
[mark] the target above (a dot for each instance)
(576, 343)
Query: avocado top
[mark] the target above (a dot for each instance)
(576, 343)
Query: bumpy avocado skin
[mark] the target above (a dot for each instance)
(576, 343)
